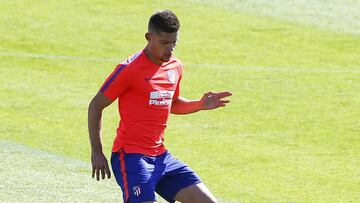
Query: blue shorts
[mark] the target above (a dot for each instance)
(140, 176)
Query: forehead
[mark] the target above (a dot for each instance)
(168, 36)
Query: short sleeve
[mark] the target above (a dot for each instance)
(117, 82)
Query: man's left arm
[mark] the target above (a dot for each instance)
(210, 100)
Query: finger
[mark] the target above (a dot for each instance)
(223, 94)
(217, 106)
(93, 172)
(107, 171)
(221, 105)
(97, 174)
(103, 173)
(224, 101)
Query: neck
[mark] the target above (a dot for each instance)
(148, 53)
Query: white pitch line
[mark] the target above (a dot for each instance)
(353, 70)
(339, 16)
(55, 57)
(31, 175)
(39, 176)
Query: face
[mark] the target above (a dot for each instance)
(162, 45)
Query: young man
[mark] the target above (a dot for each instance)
(147, 87)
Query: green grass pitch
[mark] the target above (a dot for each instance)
(290, 134)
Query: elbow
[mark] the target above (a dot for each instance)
(176, 111)
(174, 107)
(173, 112)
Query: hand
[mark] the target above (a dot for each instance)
(99, 164)
(213, 100)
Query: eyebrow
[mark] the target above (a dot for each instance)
(168, 41)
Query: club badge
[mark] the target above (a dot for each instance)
(171, 76)
(136, 190)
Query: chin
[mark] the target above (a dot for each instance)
(165, 59)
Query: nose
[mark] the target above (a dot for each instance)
(171, 48)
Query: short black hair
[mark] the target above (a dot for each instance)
(163, 21)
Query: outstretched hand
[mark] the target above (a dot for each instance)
(213, 100)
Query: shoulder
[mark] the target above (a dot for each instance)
(133, 59)
(178, 63)
(132, 62)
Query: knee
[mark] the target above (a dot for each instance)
(210, 198)
(207, 200)
(202, 200)
(213, 200)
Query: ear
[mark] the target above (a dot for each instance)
(148, 36)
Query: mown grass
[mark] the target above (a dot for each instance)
(291, 132)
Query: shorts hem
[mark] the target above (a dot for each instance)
(182, 187)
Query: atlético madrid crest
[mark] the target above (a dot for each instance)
(171, 76)
(136, 190)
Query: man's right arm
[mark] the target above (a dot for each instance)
(98, 159)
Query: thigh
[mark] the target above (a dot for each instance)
(179, 176)
(135, 177)
(197, 193)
